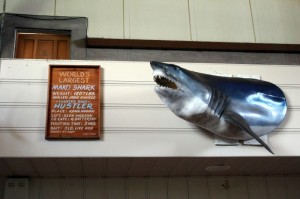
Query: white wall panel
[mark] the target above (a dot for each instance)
(292, 187)
(215, 188)
(34, 188)
(136, 188)
(276, 187)
(157, 188)
(276, 21)
(1, 6)
(134, 118)
(237, 187)
(115, 188)
(224, 21)
(198, 188)
(257, 187)
(178, 188)
(73, 188)
(105, 18)
(94, 188)
(50, 188)
(155, 19)
(32, 7)
(252, 21)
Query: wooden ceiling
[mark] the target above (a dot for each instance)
(146, 167)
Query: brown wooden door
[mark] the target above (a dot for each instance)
(42, 46)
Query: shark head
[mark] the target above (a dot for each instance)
(180, 89)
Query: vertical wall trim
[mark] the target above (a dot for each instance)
(4, 6)
(207, 186)
(193, 20)
(228, 195)
(40, 189)
(287, 187)
(247, 187)
(105, 194)
(55, 4)
(126, 19)
(187, 187)
(62, 188)
(83, 188)
(123, 9)
(253, 27)
(189, 12)
(40, 184)
(266, 186)
(147, 188)
(126, 189)
(168, 188)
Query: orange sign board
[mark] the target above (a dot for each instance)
(73, 102)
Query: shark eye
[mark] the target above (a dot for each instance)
(165, 82)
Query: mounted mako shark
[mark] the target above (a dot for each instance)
(234, 108)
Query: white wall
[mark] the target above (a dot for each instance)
(37, 7)
(240, 187)
(225, 20)
(261, 21)
(135, 121)
(276, 20)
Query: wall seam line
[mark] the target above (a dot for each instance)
(55, 7)
(252, 21)
(190, 24)
(266, 186)
(247, 187)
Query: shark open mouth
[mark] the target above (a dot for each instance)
(165, 82)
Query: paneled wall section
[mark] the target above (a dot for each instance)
(135, 121)
(262, 21)
(235, 187)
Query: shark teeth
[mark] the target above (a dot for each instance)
(163, 81)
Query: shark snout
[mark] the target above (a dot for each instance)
(156, 65)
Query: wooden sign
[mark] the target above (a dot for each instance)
(73, 102)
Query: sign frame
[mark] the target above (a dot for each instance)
(64, 120)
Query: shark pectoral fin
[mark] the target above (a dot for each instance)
(241, 122)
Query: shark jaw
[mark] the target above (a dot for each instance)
(164, 81)
(173, 88)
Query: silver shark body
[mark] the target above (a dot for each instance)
(234, 108)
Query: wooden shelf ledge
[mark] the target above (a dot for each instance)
(190, 45)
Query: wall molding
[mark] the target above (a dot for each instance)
(191, 45)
